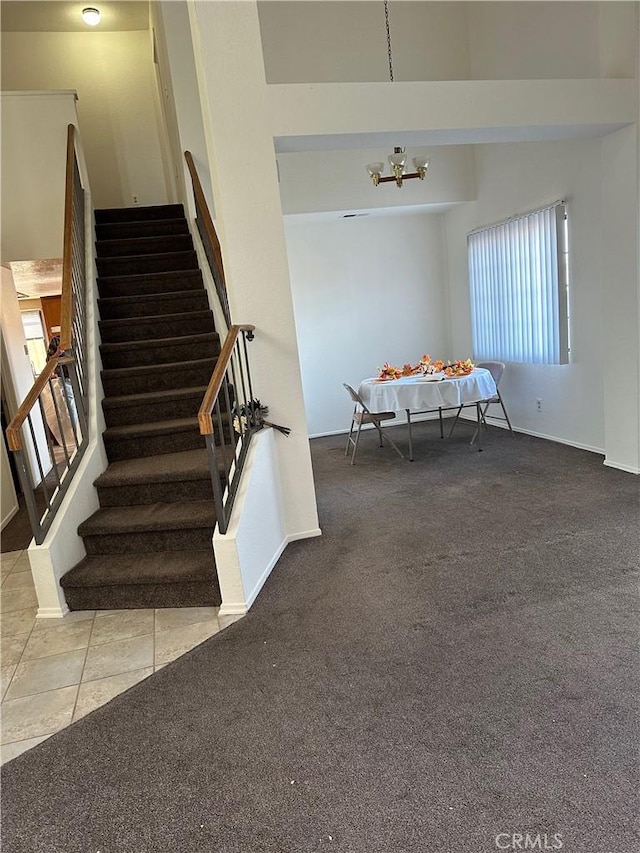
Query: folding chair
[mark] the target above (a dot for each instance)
(361, 415)
(496, 369)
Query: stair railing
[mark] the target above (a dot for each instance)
(209, 237)
(49, 433)
(227, 420)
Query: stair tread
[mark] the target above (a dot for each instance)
(146, 257)
(141, 276)
(158, 318)
(151, 298)
(180, 340)
(148, 430)
(150, 369)
(139, 213)
(138, 518)
(152, 396)
(144, 568)
(169, 467)
(137, 240)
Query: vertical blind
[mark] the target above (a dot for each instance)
(518, 277)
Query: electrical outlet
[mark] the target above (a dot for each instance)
(134, 198)
(539, 405)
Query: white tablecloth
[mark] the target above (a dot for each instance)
(419, 395)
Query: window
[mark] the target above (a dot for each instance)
(518, 276)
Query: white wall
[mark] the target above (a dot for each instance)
(178, 69)
(113, 75)
(256, 537)
(312, 181)
(621, 296)
(34, 145)
(245, 183)
(314, 42)
(366, 290)
(517, 178)
(309, 42)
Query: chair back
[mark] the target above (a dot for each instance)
(495, 368)
(354, 396)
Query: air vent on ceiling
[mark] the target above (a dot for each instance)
(353, 215)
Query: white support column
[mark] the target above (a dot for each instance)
(621, 295)
(229, 62)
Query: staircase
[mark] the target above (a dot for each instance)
(149, 544)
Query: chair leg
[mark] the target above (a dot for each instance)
(349, 438)
(506, 416)
(408, 411)
(441, 426)
(453, 425)
(355, 444)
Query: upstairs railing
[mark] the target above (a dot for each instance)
(49, 432)
(209, 238)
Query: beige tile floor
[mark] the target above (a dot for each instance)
(54, 671)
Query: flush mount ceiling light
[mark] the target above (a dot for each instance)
(91, 16)
(397, 159)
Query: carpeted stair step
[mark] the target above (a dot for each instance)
(152, 245)
(144, 228)
(124, 307)
(150, 283)
(184, 526)
(153, 439)
(181, 476)
(157, 377)
(146, 580)
(159, 351)
(139, 214)
(142, 264)
(137, 440)
(157, 327)
(153, 406)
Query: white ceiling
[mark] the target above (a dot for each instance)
(35, 279)
(62, 16)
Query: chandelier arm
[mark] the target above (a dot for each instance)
(405, 177)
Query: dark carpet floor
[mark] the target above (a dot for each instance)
(17, 535)
(450, 667)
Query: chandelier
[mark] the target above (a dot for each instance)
(397, 162)
(397, 159)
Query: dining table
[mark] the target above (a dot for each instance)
(420, 394)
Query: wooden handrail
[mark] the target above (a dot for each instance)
(217, 377)
(66, 305)
(205, 215)
(13, 430)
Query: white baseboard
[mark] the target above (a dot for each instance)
(238, 608)
(577, 444)
(620, 467)
(8, 517)
(251, 597)
(241, 608)
(52, 612)
(307, 534)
